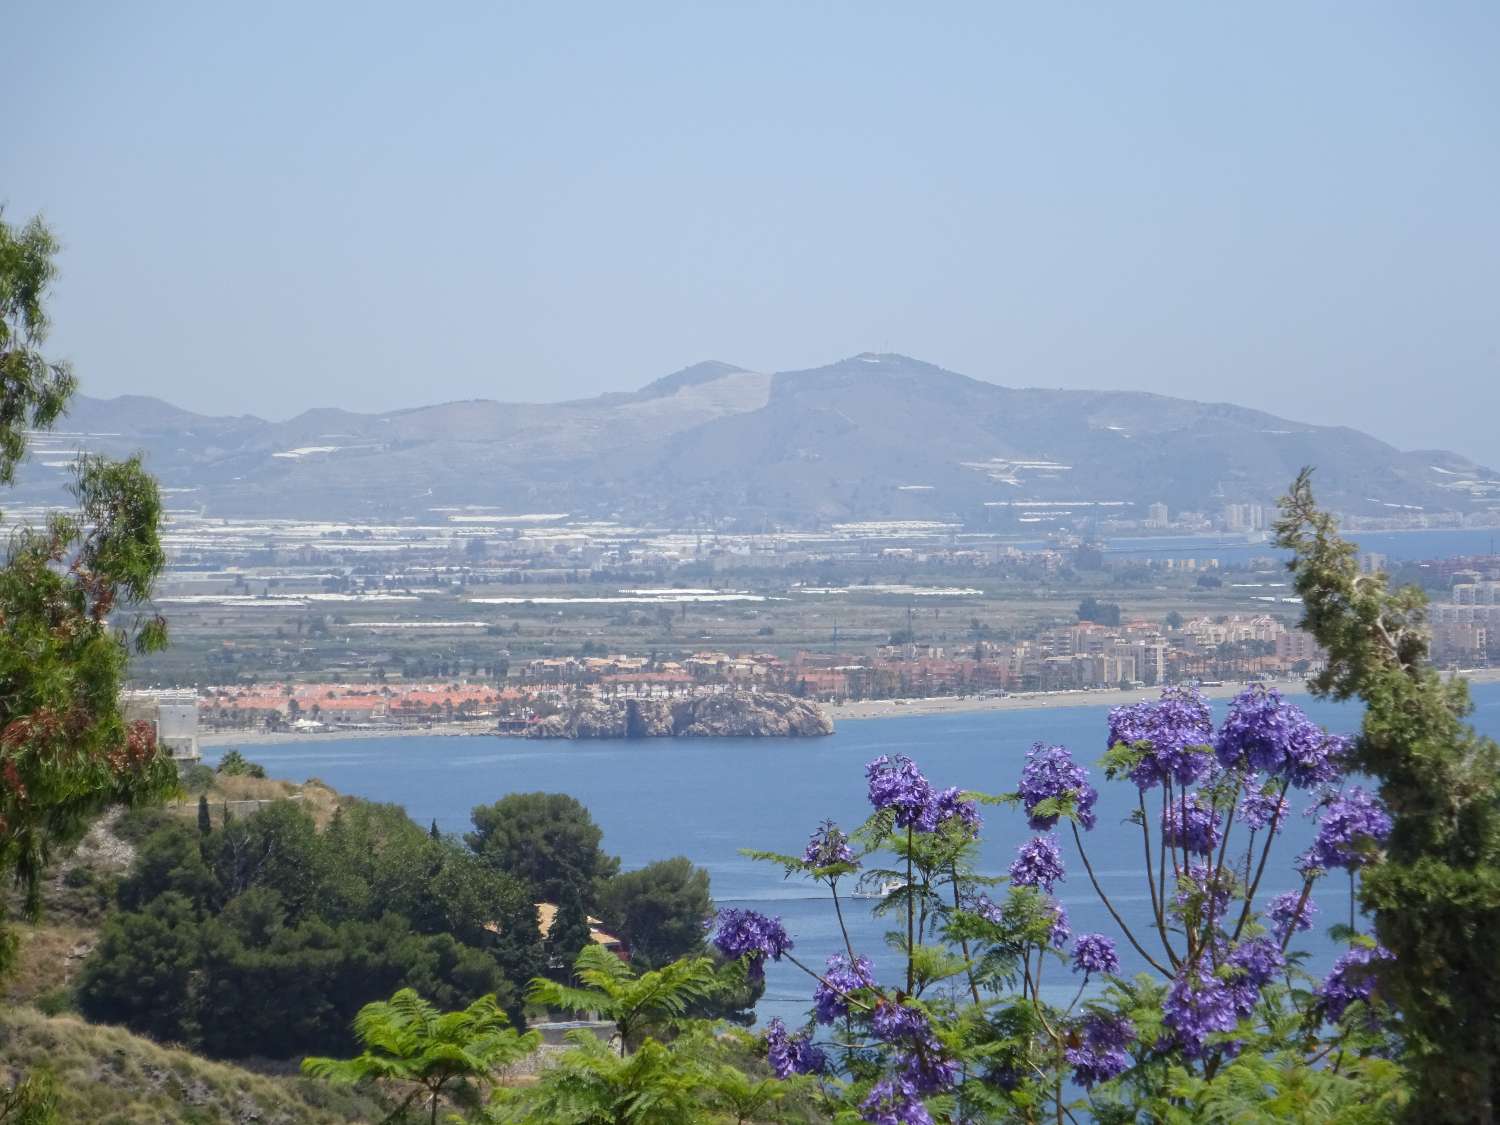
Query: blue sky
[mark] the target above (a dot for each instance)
(277, 206)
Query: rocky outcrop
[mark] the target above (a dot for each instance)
(731, 714)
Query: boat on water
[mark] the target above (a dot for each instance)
(886, 888)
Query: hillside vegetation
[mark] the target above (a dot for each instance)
(108, 1076)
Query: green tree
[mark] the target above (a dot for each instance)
(635, 1003)
(1436, 896)
(569, 934)
(73, 600)
(408, 1042)
(141, 974)
(1102, 613)
(547, 840)
(205, 823)
(235, 764)
(659, 910)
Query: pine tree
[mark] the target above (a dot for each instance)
(433, 831)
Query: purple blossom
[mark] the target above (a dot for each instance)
(1285, 916)
(1095, 953)
(1259, 808)
(1177, 726)
(744, 933)
(827, 846)
(987, 909)
(841, 979)
(1264, 732)
(1352, 823)
(1050, 773)
(928, 1070)
(1100, 1053)
(1197, 1005)
(1038, 864)
(1192, 824)
(1256, 960)
(951, 808)
(793, 1054)
(892, 1022)
(1352, 978)
(925, 1069)
(894, 1101)
(898, 785)
(1060, 933)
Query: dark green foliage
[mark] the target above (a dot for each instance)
(73, 596)
(569, 933)
(141, 972)
(547, 840)
(658, 910)
(235, 764)
(205, 822)
(1102, 613)
(266, 937)
(1436, 896)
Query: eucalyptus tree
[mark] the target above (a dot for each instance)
(74, 595)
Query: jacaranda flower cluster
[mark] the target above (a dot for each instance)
(745, 933)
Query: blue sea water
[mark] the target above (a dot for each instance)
(707, 799)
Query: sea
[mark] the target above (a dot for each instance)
(707, 799)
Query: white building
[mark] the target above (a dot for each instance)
(174, 715)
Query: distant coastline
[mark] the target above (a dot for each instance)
(859, 711)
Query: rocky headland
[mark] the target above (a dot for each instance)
(730, 714)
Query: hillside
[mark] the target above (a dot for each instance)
(870, 437)
(107, 1076)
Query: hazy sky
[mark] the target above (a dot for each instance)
(268, 207)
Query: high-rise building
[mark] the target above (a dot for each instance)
(1156, 515)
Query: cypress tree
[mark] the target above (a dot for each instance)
(1436, 895)
(205, 825)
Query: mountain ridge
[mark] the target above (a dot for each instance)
(871, 436)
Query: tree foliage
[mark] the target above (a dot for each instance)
(635, 1002)
(267, 936)
(1436, 898)
(73, 596)
(408, 1042)
(659, 910)
(547, 840)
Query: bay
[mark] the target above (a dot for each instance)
(707, 799)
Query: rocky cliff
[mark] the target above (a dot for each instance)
(734, 714)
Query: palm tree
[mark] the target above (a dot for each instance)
(634, 1003)
(408, 1041)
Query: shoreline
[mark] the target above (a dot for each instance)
(856, 712)
(863, 710)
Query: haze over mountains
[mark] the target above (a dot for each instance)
(870, 437)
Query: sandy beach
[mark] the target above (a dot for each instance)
(1102, 697)
(216, 738)
(857, 711)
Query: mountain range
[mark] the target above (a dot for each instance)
(872, 437)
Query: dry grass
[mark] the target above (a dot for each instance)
(47, 961)
(315, 797)
(108, 1076)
